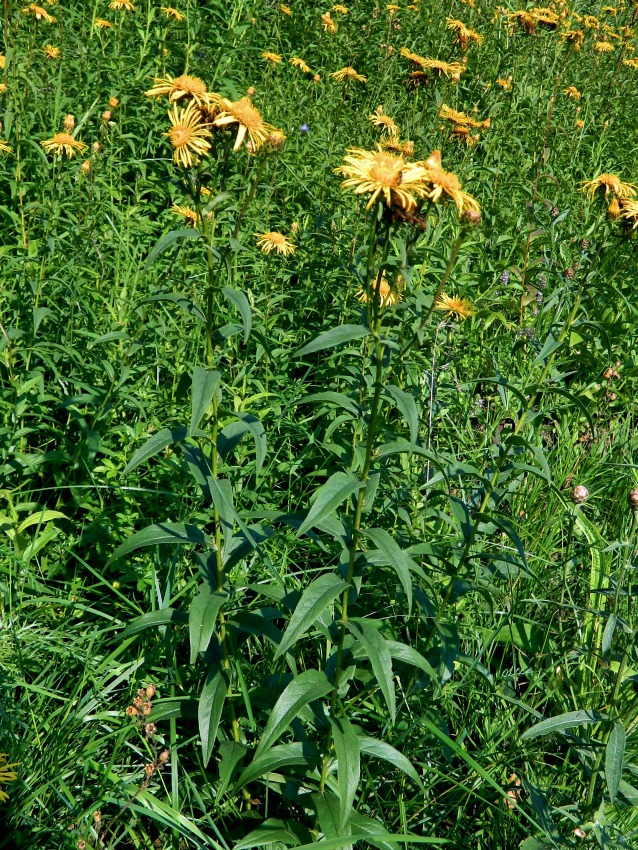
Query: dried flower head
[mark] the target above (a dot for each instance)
(579, 494)
(632, 498)
(85, 168)
(608, 184)
(164, 756)
(150, 728)
(150, 691)
(131, 710)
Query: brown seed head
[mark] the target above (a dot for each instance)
(150, 691)
(149, 769)
(150, 728)
(632, 498)
(146, 709)
(164, 756)
(131, 711)
(69, 123)
(97, 817)
(579, 494)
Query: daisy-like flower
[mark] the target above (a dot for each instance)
(545, 16)
(122, 5)
(3, 61)
(394, 145)
(527, 21)
(64, 143)
(51, 52)
(446, 185)
(452, 70)
(574, 38)
(268, 56)
(382, 174)
(39, 13)
(610, 10)
(4, 147)
(101, 24)
(388, 296)
(299, 63)
(463, 134)
(339, 9)
(464, 35)
(276, 139)
(460, 308)
(572, 91)
(608, 184)
(604, 47)
(3, 88)
(346, 74)
(186, 212)
(630, 213)
(461, 119)
(591, 22)
(274, 241)
(6, 775)
(328, 24)
(630, 63)
(392, 8)
(188, 134)
(380, 119)
(285, 10)
(183, 86)
(248, 120)
(505, 84)
(173, 13)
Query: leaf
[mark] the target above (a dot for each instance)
(238, 299)
(166, 532)
(381, 750)
(334, 337)
(154, 445)
(232, 433)
(314, 601)
(562, 722)
(406, 404)
(614, 754)
(338, 399)
(232, 753)
(408, 655)
(202, 618)
(209, 712)
(167, 240)
(380, 658)
(161, 617)
(347, 749)
(277, 757)
(184, 303)
(40, 519)
(274, 831)
(608, 634)
(203, 388)
(306, 687)
(337, 489)
(396, 558)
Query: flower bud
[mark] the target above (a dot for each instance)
(149, 769)
(97, 147)
(150, 691)
(579, 494)
(632, 498)
(69, 123)
(251, 91)
(471, 218)
(113, 102)
(106, 115)
(86, 166)
(164, 756)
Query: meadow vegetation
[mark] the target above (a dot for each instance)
(319, 362)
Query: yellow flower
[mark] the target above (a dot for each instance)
(101, 24)
(339, 9)
(267, 56)
(188, 134)
(6, 775)
(608, 184)
(182, 86)
(380, 119)
(545, 16)
(610, 10)
(186, 212)
(461, 308)
(378, 173)
(506, 85)
(461, 118)
(285, 10)
(248, 120)
(613, 210)
(64, 143)
(630, 63)
(52, 52)
(4, 147)
(573, 37)
(85, 168)
(630, 212)
(276, 139)
(464, 35)
(444, 184)
(463, 135)
(387, 295)
(113, 102)
(3, 88)
(274, 241)
(348, 73)
(572, 91)
(394, 145)
(122, 5)
(172, 13)
(453, 70)
(522, 17)
(604, 47)
(39, 13)
(3, 61)
(392, 8)
(591, 22)
(328, 24)
(299, 63)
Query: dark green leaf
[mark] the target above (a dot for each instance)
(202, 618)
(329, 496)
(167, 240)
(381, 750)
(562, 722)
(614, 755)
(314, 601)
(155, 444)
(407, 406)
(203, 388)
(347, 749)
(211, 704)
(395, 557)
(380, 658)
(336, 336)
(239, 300)
(166, 532)
(277, 757)
(161, 617)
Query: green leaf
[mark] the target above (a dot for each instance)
(202, 618)
(209, 712)
(614, 755)
(381, 750)
(396, 558)
(167, 240)
(161, 617)
(232, 433)
(232, 753)
(274, 830)
(608, 633)
(380, 658)
(336, 336)
(40, 519)
(562, 722)
(277, 757)
(203, 388)
(166, 532)
(406, 404)
(339, 487)
(338, 399)
(239, 300)
(306, 687)
(408, 655)
(347, 749)
(314, 601)
(155, 444)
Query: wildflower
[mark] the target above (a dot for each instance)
(505, 84)
(304, 128)
(3, 61)
(613, 210)
(299, 63)
(3, 88)
(610, 10)
(188, 134)
(69, 123)
(461, 308)
(131, 710)
(85, 168)
(346, 74)
(545, 16)
(591, 22)
(39, 13)
(172, 13)
(452, 70)
(574, 38)
(63, 143)
(392, 8)
(113, 102)
(149, 769)
(146, 708)
(608, 183)
(316, 78)
(51, 52)
(6, 775)
(122, 5)
(150, 728)
(379, 173)
(328, 24)
(527, 21)
(580, 124)
(186, 212)
(579, 494)
(276, 139)
(445, 184)
(463, 134)
(464, 35)
(630, 212)
(461, 119)
(101, 24)
(604, 47)
(285, 10)
(96, 147)
(274, 241)
(572, 91)
(394, 145)
(632, 498)
(4, 147)
(267, 56)
(630, 63)
(179, 87)
(380, 119)
(388, 296)
(106, 115)
(339, 9)
(248, 120)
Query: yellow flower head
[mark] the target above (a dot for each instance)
(574, 38)
(346, 74)
(274, 241)
(452, 70)
(285, 10)
(183, 86)
(461, 119)
(101, 24)
(380, 119)
(328, 24)
(4, 147)
(394, 145)
(463, 34)
(630, 63)
(382, 174)
(122, 5)
(186, 212)
(591, 22)
(188, 134)
(544, 16)
(173, 13)
(6, 775)
(299, 63)
(339, 9)
(630, 213)
(505, 84)
(463, 134)
(446, 185)
(608, 184)
(527, 21)
(3, 61)
(51, 52)
(459, 308)
(392, 8)
(267, 56)
(572, 91)
(604, 47)
(248, 119)
(63, 143)
(39, 13)
(388, 296)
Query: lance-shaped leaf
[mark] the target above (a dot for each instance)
(381, 750)
(277, 757)
(614, 755)
(202, 618)
(562, 722)
(203, 388)
(165, 532)
(211, 704)
(348, 751)
(337, 489)
(155, 444)
(238, 299)
(380, 658)
(395, 556)
(407, 406)
(167, 240)
(314, 601)
(336, 336)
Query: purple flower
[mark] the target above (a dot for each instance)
(304, 128)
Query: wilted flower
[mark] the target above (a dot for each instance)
(39, 13)
(339, 9)
(69, 123)
(328, 24)
(188, 134)
(604, 47)
(591, 22)
(4, 147)
(274, 241)
(608, 183)
(6, 775)
(461, 119)
(446, 185)
(572, 91)
(101, 24)
(464, 35)
(85, 168)
(574, 38)
(630, 213)
(299, 63)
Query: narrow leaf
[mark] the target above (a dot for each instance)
(167, 240)
(348, 752)
(238, 299)
(380, 658)
(202, 618)
(396, 558)
(406, 404)
(614, 754)
(154, 445)
(166, 532)
(337, 489)
(381, 750)
(204, 386)
(314, 601)
(161, 617)
(211, 703)
(336, 336)
(277, 757)
(562, 722)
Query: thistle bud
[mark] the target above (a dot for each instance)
(471, 218)
(106, 115)
(579, 494)
(69, 123)
(632, 498)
